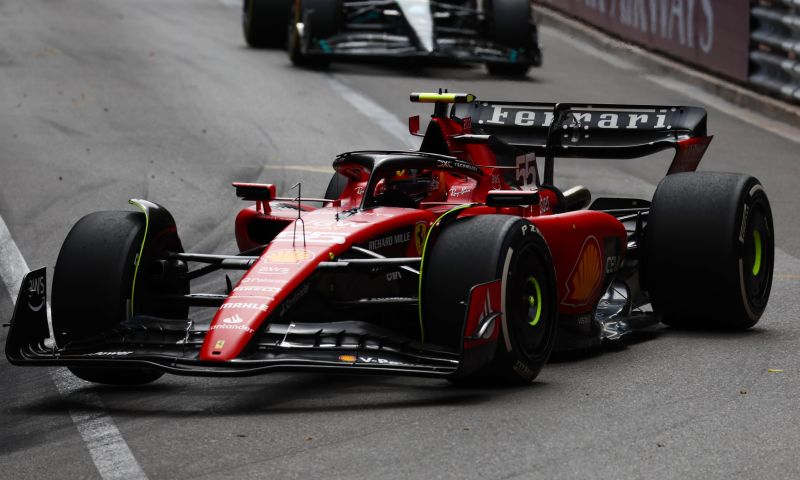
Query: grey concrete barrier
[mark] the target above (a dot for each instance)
(775, 47)
(710, 34)
(753, 43)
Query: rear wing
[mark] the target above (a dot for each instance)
(576, 130)
(591, 130)
(581, 130)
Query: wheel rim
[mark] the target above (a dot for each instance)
(534, 301)
(757, 244)
(758, 257)
(528, 309)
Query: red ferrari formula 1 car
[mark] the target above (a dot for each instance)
(456, 261)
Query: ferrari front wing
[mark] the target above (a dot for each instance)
(173, 346)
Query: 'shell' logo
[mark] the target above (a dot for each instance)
(420, 232)
(586, 276)
(233, 319)
(288, 256)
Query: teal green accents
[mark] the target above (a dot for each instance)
(325, 46)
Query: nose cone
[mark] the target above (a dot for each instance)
(418, 15)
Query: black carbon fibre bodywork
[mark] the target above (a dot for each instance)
(434, 30)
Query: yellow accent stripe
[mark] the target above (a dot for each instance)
(141, 249)
(442, 97)
(422, 262)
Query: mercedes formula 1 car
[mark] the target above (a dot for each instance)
(500, 33)
(457, 261)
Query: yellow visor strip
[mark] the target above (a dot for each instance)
(417, 97)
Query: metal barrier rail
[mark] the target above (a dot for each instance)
(775, 47)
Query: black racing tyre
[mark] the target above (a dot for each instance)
(264, 22)
(510, 26)
(481, 249)
(93, 280)
(335, 186)
(709, 251)
(507, 69)
(323, 22)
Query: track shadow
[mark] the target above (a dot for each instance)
(633, 338)
(198, 399)
(445, 69)
(300, 393)
(642, 336)
(414, 69)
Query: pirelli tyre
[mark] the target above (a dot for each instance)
(320, 19)
(93, 283)
(709, 251)
(264, 22)
(482, 249)
(510, 25)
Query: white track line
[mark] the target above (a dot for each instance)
(12, 264)
(589, 49)
(612, 57)
(382, 117)
(111, 455)
(369, 108)
(755, 119)
(237, 4)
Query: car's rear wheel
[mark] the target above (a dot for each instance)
(709, 251)
(264, 22)
(482, 249)
(510, 26)
(323, 21)
(93, 286)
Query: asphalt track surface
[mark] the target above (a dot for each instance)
(101, 101)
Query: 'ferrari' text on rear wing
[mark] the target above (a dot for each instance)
(592, 130)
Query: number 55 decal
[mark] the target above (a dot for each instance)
(527, 171)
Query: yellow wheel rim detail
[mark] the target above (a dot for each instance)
(535, 301)
(757, 245)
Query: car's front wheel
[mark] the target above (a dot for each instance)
(510, 26)
(264, 22)
(323, 18)
(482, 249)
(104, 274)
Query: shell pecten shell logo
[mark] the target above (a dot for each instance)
(295, 255)
(587, 274)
